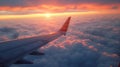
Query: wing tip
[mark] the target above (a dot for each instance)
(65, 26)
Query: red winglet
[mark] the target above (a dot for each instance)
(64, 28)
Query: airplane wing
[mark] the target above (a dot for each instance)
(13, 51)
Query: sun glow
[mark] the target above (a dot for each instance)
(47, 15)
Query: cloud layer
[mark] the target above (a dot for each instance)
(90, 42)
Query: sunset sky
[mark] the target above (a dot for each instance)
(92, 39)
(25, 7)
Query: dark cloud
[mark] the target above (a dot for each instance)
(13, 3)
(90, 2)
(24, 3)
(115, 7)
(8, 33)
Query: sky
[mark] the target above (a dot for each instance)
(23, 7)
(90, 37)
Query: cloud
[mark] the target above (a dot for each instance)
(88, 44)
(40, 6)
(24, 3)
(90, 41)
(7, 33)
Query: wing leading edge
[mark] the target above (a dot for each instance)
(15, 50)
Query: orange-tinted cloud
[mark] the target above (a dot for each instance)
(63, 8)
(39, 6)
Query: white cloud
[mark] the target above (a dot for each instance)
(88, 43)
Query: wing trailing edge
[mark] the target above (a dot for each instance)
(65, 26)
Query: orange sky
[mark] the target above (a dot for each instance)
(25, 7)
(57, 8)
